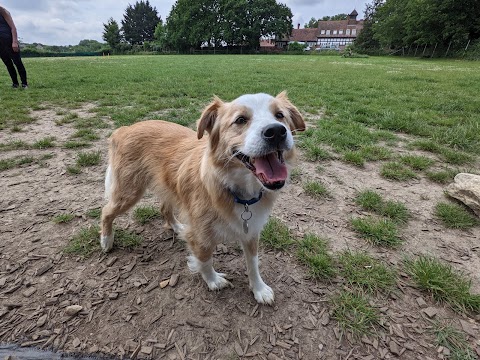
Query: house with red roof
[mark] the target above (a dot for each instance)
(330, 34)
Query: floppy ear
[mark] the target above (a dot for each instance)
(298, 124)
(209, 115)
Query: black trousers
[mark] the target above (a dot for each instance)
(11, 58)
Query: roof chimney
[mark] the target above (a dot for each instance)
(298, 26)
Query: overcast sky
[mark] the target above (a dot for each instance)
(66, 22)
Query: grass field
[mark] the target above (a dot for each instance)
(437, 99)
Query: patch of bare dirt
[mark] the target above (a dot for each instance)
(145, 304)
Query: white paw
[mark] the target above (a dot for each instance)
(217, 281)
(263, 294)
(106, 242)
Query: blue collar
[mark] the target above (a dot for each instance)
(246, 202)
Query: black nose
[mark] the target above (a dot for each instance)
(274, 134)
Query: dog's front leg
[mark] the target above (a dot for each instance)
(201, 261)
(261, 291)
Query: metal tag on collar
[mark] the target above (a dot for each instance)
(246, 215)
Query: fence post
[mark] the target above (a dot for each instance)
(425, 48)
(448, 49)
(416, 50)
(435, 48)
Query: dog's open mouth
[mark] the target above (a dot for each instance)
(270, 169)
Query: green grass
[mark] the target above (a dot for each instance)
(18, 161)
(375, 152)
(315, 189)
(76, 144)
(443, 282)
(85, 135)
(439, 106)
(416, 162)
(380, 232)
(296, 175)
(354, 157)
(312, 150)
(276, 235)
(85, 159)
(313, 252)
(67, 119)
(94, 213)
(44, 143)
(73, 170)
(353, 313)
(362, 270)
(87, 241)
(455, 216)
(371, 201)
(145, 214)
(448, 336)
(63, 218)
(396, 171)
(14, 145)
(442, 176)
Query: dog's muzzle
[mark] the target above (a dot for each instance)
(269, 168)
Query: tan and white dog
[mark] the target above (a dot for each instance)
(221, 186)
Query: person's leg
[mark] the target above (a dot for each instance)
(7, 60)
(17, 60)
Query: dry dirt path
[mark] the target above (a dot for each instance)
(126, 313)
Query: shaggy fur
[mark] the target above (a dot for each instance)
(248, 152)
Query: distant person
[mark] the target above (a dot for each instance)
(10, 49)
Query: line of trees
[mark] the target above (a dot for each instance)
(397, 24)
(313, 23)
(193, 24)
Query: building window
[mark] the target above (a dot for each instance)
(348, 31)
(354, 31)
(340, 32)
(322, 32)
(334, 32)
(328, 32)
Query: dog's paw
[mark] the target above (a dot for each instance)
(263, 294)
(217, 281)
(106, 242)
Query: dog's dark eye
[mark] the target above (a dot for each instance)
(240, 120)
(279, 115)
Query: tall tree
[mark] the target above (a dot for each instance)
(139, 22)
(365, 41)
(193, 23)
(341, 16)
(111, 34)
(266, 18)
(160, 34)
(312, 23)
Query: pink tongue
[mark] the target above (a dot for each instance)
(270, 169)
